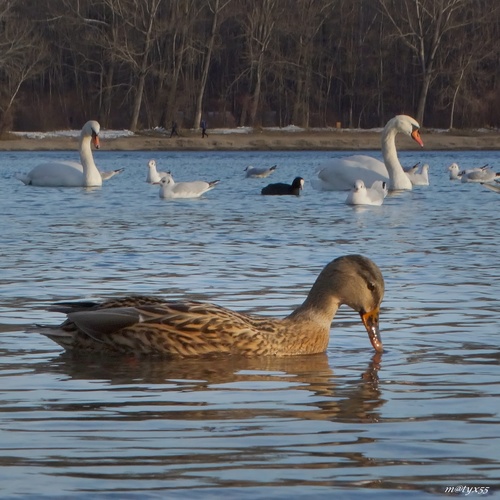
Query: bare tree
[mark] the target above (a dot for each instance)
(138, 29)
(147, 62)
(421, 25)
(260, 23)
(216, 8)
(22, 56)
(299, 28)
(176, 54)
(465, 70)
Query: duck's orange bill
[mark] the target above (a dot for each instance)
(95, 140)
(370, 320)
(415, 135)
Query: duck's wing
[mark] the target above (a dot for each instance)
(169, 328)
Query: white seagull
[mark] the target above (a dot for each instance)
(413, 169)
(419, 177)
(456, 173)
(153, 175)
(170, 189)
(260, 172)
(454, 170)
(111, 173)
(483, 175)
(361, 195)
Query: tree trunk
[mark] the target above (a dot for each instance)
(206, 66)
(256, 93)
(148, 42)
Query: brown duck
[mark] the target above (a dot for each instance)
(148, 325)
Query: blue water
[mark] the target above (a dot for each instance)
(420, 418)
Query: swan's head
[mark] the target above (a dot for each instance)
(407, 125)
(91, 129)
(152, 164)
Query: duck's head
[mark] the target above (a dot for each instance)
(356, 281)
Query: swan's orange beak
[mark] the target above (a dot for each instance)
(370, 320)
(415, 135)
(95, 140)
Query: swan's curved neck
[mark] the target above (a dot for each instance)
(91, 176)
(397, 177)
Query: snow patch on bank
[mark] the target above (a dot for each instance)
(103, 134)
(115, 134)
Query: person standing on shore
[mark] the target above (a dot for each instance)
(174, 130)
(203, 125)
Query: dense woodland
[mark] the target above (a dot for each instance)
(139, 64)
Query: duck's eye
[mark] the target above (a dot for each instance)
(371, 286)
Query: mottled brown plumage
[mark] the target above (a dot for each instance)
(148, 325)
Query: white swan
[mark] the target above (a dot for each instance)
(260, 172)
(153, 175)
(169, 189)
(340, 174)
(361, 195)
(419, 178)
(70, 173)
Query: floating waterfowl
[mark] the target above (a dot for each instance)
(149, 325)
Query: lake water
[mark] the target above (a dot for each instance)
(419, 420)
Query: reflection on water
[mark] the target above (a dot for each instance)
(420, 417)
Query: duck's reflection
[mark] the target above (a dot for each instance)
(327, 396)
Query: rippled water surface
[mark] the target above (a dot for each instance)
(422, 417)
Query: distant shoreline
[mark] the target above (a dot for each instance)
(334, 140)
